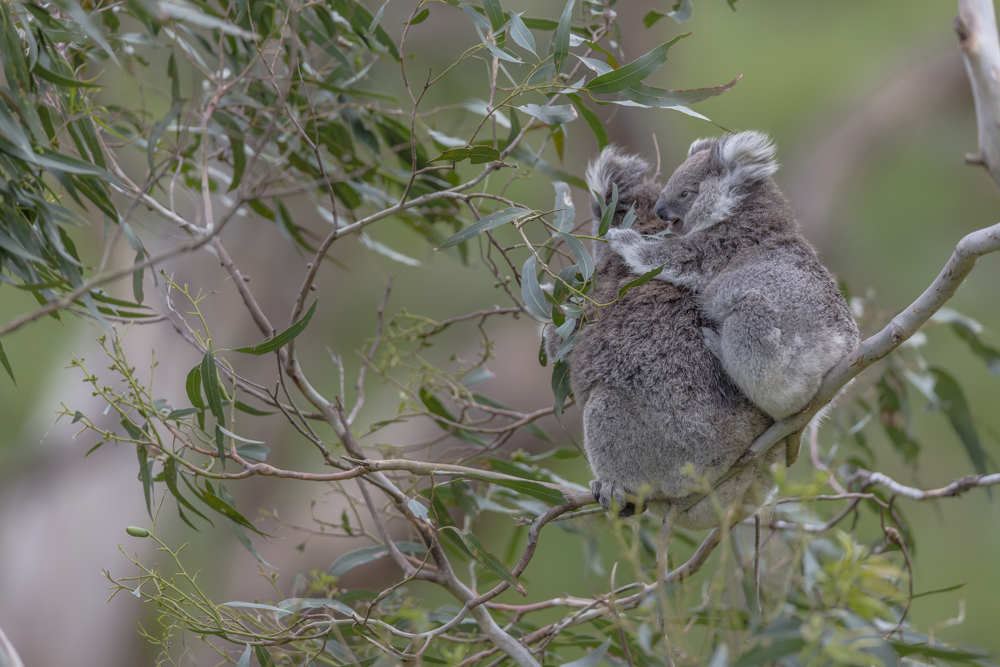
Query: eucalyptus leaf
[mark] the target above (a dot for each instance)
(491, 221)
(633, 73)
(550, 115)
(531, 291)
(283, 338)
(520, 33)
(359, 557)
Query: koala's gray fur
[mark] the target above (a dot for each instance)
(779, 323)
(654, 398)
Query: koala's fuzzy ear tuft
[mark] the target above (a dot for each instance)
(747, 157)
(702, 144)
(615, 166)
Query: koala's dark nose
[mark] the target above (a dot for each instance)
(661, 208)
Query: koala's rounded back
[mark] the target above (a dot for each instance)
(654, 398)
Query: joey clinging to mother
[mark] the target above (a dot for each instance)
(781, 323)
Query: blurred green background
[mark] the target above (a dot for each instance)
(870, 109)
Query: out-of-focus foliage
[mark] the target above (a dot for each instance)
(272, 107)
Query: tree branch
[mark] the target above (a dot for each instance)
(976, 26)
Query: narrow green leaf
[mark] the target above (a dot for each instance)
(554, 115)
(145, 477)
(353, 559)
(158, 129)
(629, 218)
(592, 120)
(250, 410)
(240, 438)
(83, 20)
(520, 33)
(969, 330)
(955, 406)
(650, 19)
(503, 54)
(641, 280)
(170, 477)
(60, 80)
(220, 445)
(495, 14)
(475, 154)
(420, 17)
(583, 259)
(560, 386)
(560, 43)
(488, 560)
(175, 79)
(137, 278)
(491, 221)
(434, 406)
(254, 452)
(227, 510)
(283, 338)
(634, 72)
(373, 26)
(592, 659)
(244, 539)
(663, 98)
(475, 16)
(6, 364)
(193, 387)
(608, 209)
(531, 291)
(244, 660)
(210, 382)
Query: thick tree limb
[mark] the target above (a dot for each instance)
(976, 26)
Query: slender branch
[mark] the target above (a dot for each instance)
(958, 487)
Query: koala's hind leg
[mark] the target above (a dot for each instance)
(757, 356)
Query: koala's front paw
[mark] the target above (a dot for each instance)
(608, 494)
(628, 244)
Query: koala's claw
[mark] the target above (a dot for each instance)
(608, 494)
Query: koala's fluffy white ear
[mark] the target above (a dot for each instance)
(615, 166)
(702, 144)
(747, 157)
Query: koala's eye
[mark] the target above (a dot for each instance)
(684, 193)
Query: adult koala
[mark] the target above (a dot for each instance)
(661, 418)
(778, 322)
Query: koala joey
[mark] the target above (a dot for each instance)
(778, 321)
(660, 415)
